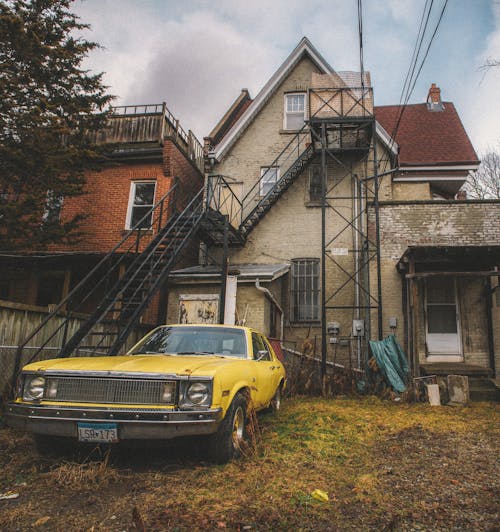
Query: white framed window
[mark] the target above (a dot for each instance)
(295, 110)
(141, 200)
(269, 175)
(53, 207)
(305, 290)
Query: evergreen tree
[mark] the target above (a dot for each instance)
(49, 107)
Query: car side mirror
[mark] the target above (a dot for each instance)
(262, 354)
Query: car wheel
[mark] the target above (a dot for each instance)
(225, 444)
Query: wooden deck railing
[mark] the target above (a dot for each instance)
(130, 124)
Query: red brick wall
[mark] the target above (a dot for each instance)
(105, 202)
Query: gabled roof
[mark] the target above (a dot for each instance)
(428, 138)
(244, 109)
(232, 115)
(304, 47)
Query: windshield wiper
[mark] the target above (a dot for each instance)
(194, 353)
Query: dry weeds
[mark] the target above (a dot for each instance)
(384, 466)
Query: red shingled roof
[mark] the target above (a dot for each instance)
(428, 137)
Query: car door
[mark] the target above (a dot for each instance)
(264, 369)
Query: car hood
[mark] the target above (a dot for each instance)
(162, 364)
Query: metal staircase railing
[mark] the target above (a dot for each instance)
(221, 198)
(132, 293)
(286, 167)
(128, 276)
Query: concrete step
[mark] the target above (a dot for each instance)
(483, 389)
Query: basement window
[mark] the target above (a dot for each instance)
(295, 109)
(305, 290)
(141, 201)
(269, 175)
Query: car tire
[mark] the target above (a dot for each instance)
(225, 444)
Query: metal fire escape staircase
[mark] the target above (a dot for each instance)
(292, 161)
(131, 274)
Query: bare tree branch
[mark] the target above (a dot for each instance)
(484, 183)
(490, 63)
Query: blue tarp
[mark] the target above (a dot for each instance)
(392, 362)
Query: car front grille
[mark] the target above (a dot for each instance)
(109, 390)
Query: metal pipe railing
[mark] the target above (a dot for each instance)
(284, 161)
(92, 281)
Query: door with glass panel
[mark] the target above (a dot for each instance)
(442, 320)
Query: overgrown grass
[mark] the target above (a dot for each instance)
(331, 445)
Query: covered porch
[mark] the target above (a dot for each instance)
(451, 306)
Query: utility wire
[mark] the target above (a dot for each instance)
(411, 68)
(416, 49)
(360, 32)
(412, 82)
(428, 47)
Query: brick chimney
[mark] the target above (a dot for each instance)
(434, 102)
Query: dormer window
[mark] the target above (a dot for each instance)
(295, 110)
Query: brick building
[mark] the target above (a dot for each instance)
(397, 248)
(152, 154)
(324, 221)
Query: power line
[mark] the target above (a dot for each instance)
(429, 46)
(411, 68)
(416, 49)
(411, 81)
(360, 33)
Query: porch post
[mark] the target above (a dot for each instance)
(489, 319)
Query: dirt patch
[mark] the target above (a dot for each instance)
(439, 481)
(384, 466)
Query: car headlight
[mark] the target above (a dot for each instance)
(34, 386)
(197, 393)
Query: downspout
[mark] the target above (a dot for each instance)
(270, 295)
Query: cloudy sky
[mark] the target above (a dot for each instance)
(198, 54)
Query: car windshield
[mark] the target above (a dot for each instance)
(194, 341)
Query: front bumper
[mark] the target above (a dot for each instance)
(132, 424)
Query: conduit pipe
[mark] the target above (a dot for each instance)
(270, 295)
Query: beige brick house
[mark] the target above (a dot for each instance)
(345, 223)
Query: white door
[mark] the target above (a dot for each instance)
(442, 320)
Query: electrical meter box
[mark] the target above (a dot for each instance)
(358, 327)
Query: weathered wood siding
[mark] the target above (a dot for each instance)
(16, 323)
(127, 129)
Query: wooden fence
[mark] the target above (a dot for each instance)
(18, 320)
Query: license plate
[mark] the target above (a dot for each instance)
(98, 432)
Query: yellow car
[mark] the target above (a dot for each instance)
(179, 380)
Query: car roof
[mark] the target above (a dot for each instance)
(222, 325)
